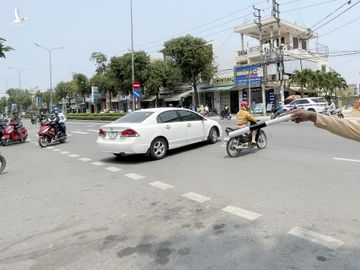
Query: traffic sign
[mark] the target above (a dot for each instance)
(136, 85)
(137, 93)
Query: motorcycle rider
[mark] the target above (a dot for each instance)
(225, 112)
(42, 117)
(244, 118)
(2, 122)
(61, 119)
(331, 106)
(18, 124)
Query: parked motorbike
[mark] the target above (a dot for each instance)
(236, 144)
(226, 115)
(48, 134)
(10, 134)
(2, 163)
(337, 112)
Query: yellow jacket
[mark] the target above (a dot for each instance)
(243, 117)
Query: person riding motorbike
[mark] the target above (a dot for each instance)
(18, 124)
(331, 106)
(61, 119)
(244, 118)
(42, 117)
(225, 111)
(2, 123)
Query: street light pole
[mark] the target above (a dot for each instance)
(132, 55)
(19, 72)
(50, 67)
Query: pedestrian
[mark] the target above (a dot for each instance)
(341, 127)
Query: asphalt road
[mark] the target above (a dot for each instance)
(293, 205)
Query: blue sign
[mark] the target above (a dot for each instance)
(137, 93)
(245, 95)
(245, 75)
(94, 94)
(39, 101)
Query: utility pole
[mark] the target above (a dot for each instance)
(276, 14)
(257, 15)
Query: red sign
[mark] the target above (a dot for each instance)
(136, 85)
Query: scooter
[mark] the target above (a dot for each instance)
(2, 163)
(10, 134)
(240, 139)
(226, 115)
(243, 141)
(47, 134)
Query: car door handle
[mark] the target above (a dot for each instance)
(188, 125)
(167, 127)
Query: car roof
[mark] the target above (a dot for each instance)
(160, 109)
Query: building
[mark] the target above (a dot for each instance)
(261, 71)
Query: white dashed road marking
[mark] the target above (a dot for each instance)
(196, 197)
(80, 132)
(315, 237)
(98, 163)
(50, 147)
(93, 130)
(57, 150)
(74, 155)
(161, 185)
(65, 152)
(85, 159)
(134, 176)
(113, 169)
(241, 212)
(346, 159)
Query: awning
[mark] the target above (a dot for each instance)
(217, 88)
(178, 97)
(152, 98)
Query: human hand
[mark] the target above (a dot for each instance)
(301, 115)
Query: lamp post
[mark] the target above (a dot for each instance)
(19, 72)
(132, 55)
(50, 67)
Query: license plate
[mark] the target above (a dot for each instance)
(112, 134)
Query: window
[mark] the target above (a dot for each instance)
(299, 102)
(295, 42)
(167, 117)
(189, 116)
(134, 117)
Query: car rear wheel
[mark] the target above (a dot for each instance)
(213, 135)
(158, 148)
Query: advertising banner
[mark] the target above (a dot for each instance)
(94, 94)
(245, 75)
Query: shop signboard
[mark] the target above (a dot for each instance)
(247, 75)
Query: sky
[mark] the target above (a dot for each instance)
(85, 26)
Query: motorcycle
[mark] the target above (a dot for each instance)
(226, 115)
(2, 163)
(337, 112)
(243, 141)
(10, 134)
(48, 134)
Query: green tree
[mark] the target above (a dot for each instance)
(100, 60)
(20, 97)
(304, 79)
(65, 91)
(106, 84)
(4, 48)
(194, 57)
(161, 74)
(81, 85)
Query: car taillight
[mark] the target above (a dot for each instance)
(102, 133)
(129, 133)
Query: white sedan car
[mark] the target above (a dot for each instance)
(155, 131)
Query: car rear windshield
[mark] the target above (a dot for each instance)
(133, 117)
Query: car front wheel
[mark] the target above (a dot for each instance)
(213, 135)
(158, 148)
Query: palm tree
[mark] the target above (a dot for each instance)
(3, 48)
(302, 78)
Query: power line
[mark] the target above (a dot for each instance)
(336, 16)
(313, 5)
(340, 27)
(347, 3)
